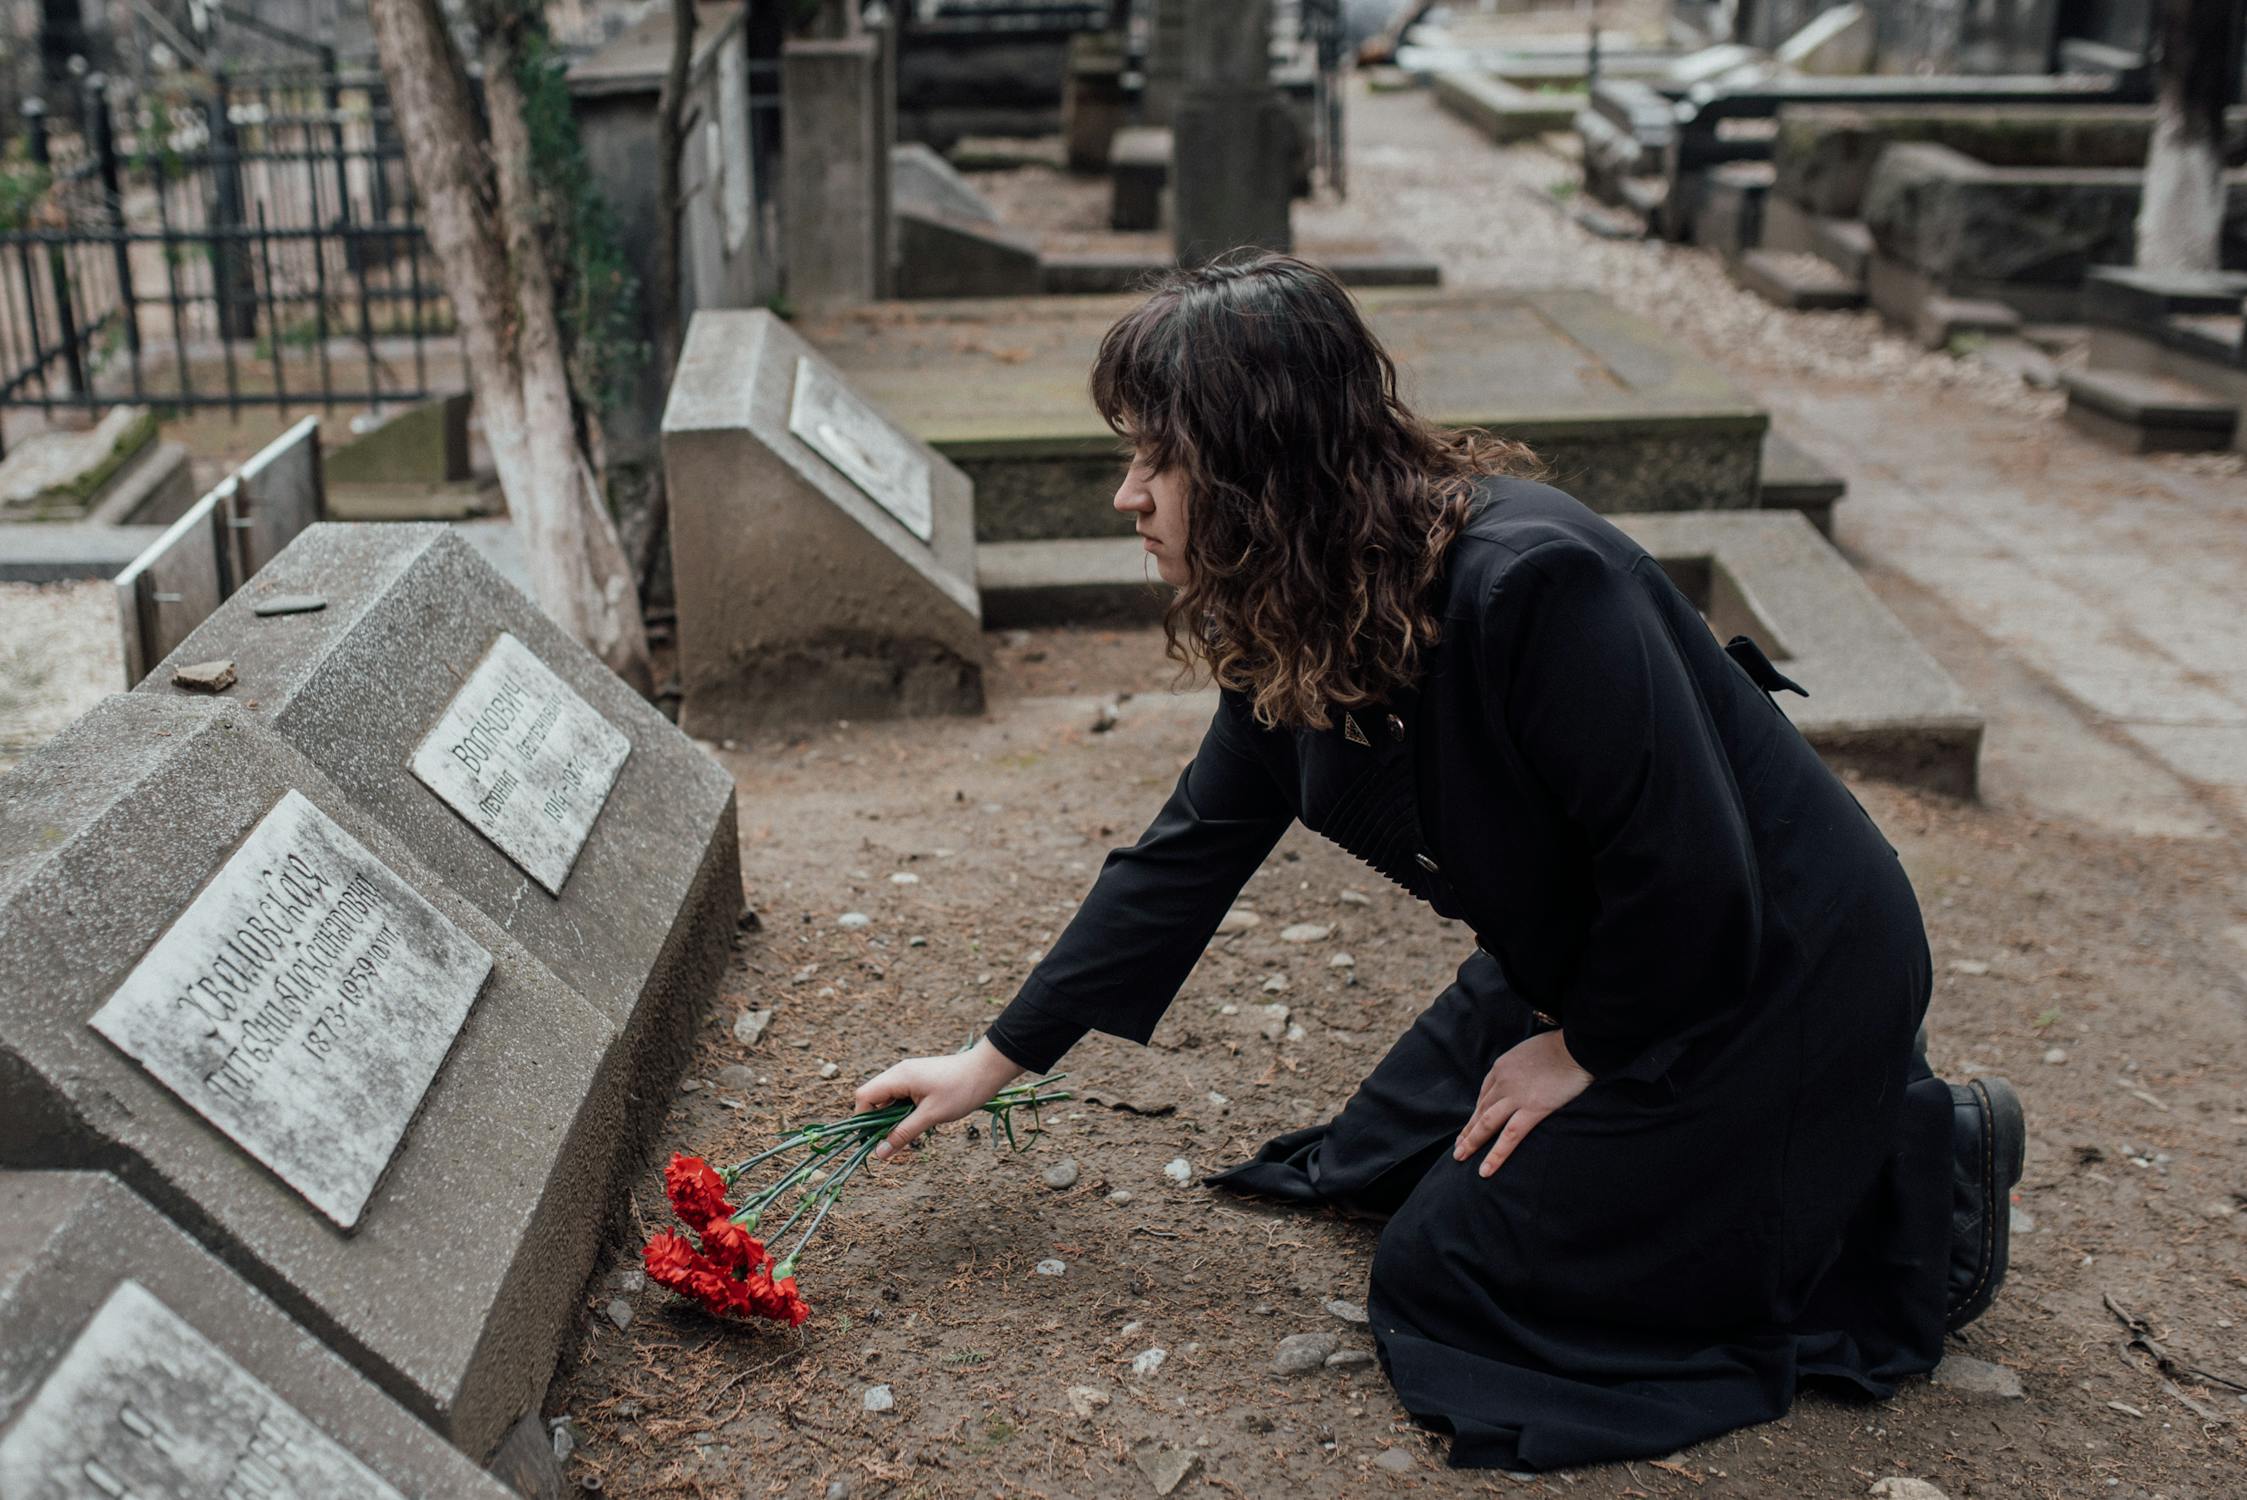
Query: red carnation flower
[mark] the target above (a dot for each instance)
(670, 1259)
(732, 1246)
(697, 1194)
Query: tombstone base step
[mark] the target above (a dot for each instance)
(1800, 282)
(2147, 413)
(1791, 479)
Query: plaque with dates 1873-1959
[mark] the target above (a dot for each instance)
(143, 1404)
(524, 759)
(302, 1004)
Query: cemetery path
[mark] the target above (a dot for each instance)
(2088, 921)
(2106, 953)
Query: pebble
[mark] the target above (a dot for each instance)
(2056, 1055)
(1395, 1460)
(736, 1076)
(205, 676)
(1294, 1034)
(851, 921)
(838, 1489)
(1274, 1024)
(1971, 967)
(830, 1070)
(628, 1281)
(1148, 1361)
(2022, 1221)
(750, 1025)
(1228, 1010)
(1180, 1171)
(562, 1432)
(1239, 919)
(879, 1398)
(1976, 1377)
(1341, 961)
(1050, 1267)
(1302, 1351)
(1166, 1467)
(1274, 983)
(1348, 1312)
(693, 1086)
(1305, 932)
(1084, 1400)
(620, 1313)
(916, 942)
(1263, 1309)
(1902, 1487)
(905, 877)
(1061, 1176)
(1219, 1101)
(1120, 1197)
(1355, 898)
(1349, 1359)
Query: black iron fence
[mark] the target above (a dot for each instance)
(240, 241)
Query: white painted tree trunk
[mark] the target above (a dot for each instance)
(2181, 216)
(479, 207)
(2181, 213)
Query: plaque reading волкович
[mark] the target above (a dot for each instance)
(524, 759)
(302, 1004)
(142, 1404)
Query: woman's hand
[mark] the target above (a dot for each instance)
(1528, 1082)
(941, 1088)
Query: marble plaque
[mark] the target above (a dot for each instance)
(302, 1003)
(143, 1405)
(858, 440)
(524, 759)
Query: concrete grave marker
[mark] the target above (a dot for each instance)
(302, 1003)
(824, 555)
(134, 1363)
(525, 760)
(142, 1404)
(152, 839)
(853, 437)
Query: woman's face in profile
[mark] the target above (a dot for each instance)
(1156, 502)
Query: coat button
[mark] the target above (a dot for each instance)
(1424, 863)
(1396, 727)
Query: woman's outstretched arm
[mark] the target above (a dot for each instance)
(1119, 963)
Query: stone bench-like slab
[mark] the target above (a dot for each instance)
(245, 996)
(1878, 702)
(1505, 112)
(640, 916)
(136, 1363)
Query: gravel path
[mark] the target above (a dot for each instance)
(60, 654)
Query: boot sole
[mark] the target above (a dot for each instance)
(2004, 1156)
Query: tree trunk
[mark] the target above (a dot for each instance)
(2181, 214)
(480, 209)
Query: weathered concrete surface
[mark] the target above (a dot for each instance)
(1233, 167)
(800, 595)
(642, 926)
(949, 255)
(1505, 111)
(69, 1240)
(457, 1285)
(835, 180)
(1627, 420)
(922, 180)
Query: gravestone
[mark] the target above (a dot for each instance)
(137, 1364)
(824, 557)
(835, 191)
(164, 593)
(522, 771)
(1234, 160)
(250, 1000)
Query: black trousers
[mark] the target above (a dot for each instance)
(1662, 1261)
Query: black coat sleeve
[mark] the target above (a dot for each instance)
(1155, 905)
(1584, 677)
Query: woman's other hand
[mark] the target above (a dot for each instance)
(941, 1088)
(1528, 1082)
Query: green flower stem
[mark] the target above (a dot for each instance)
(828, 1192)
(748, 1213)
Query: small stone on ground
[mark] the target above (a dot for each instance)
(1395, 1460)
(1180, 1171)
(1902, 1487)
(1166, 1467)
(879, 1398)
(205, 676)
(1061, 1176)
(1348, 1312)
(1976, 1377)
(1302, 1351)
(751, 1025)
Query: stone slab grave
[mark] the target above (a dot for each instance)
(119, 470)
(137, 1363)
(520, 770)
(224, 538)
(1505, 112)
(1627, 419)
(1878, 701)
(2168, 360)
(249, 999)
(824, 557)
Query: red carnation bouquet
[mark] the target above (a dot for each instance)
(726, 1267)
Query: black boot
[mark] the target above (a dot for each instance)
(1989, 1142)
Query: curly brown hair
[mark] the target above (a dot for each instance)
(1319, 507)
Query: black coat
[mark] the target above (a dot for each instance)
(1584, 776)
(1755, 1189)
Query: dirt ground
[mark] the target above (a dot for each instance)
(2113, 952)
(2094, 960)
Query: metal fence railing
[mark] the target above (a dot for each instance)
(245, 241)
